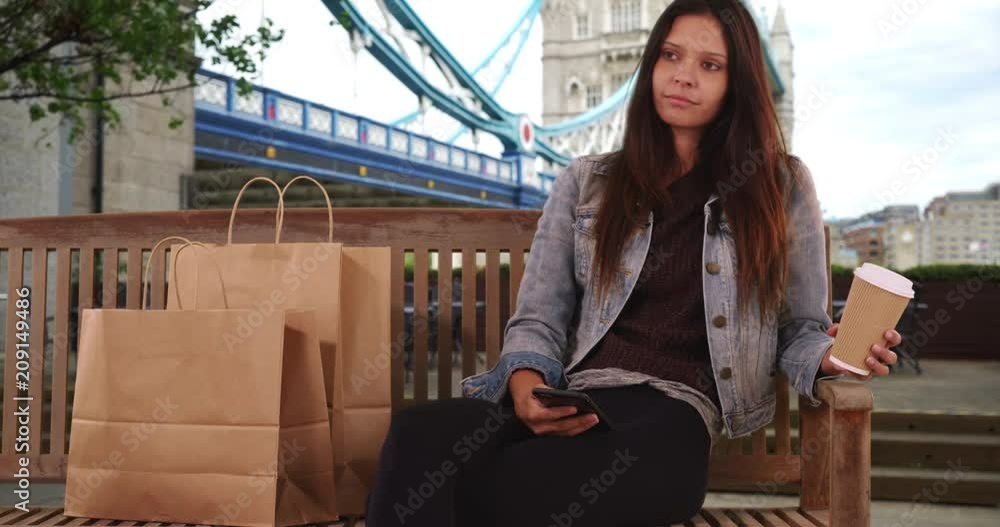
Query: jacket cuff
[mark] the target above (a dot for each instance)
(809, 371)
(820, 375)
(493, 384)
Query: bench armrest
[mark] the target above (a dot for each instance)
(835, 441)
(843, 395)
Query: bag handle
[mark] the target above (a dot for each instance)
(277, 215)
(145, 273)
(326, 196)
(197, 267)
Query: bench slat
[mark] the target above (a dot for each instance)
(769, 518)
(744, 518)
(157, 280)
(468, 312)
(86, 301)
(699, 521)
(445, 342)
(55, 516)
(60, 352)
(794, 518)
(820, 517)
(86, 278)
(12, 516)
(420, 329)
(735, 446)
(516, 273)
(717, 518)
(492, 306)
(41, 517)
(760, 441)
(782, 421)
(15, 277)
(133, 287)
(397, 356)
(36, 370)
(109, 282)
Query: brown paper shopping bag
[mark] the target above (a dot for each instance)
(266, 277)
(349, 289)
(178, 419)
(362, 398)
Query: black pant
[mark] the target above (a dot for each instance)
(471, 463)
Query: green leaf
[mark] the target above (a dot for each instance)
(176, 122)
(132, 44)
(37, 112)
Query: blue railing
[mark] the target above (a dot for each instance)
(218, 92)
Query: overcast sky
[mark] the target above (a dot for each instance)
(897, 101)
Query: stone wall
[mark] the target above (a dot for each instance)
(30, 171)
(42, 174)
(144, 160)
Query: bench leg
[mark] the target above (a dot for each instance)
(850, 459)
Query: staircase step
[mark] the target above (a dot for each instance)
(953, 486)
(959, 484)
(924, 450)
(935, 451)
(945, 422)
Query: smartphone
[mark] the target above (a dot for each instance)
(584, 404)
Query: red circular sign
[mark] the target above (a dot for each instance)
(527, 132)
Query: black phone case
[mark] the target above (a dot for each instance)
(551, 397)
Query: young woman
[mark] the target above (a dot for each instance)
(670, 281)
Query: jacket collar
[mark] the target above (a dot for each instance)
(601, 168)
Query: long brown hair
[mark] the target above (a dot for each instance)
(742, 153)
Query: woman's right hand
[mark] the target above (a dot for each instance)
(542, 420)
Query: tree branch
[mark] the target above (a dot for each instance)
(24, 58)
(92, 100)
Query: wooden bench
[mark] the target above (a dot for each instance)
(830, 471)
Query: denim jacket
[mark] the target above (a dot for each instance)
(557, 320)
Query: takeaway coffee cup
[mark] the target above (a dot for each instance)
(875, 303)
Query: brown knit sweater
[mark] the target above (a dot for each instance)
(661, 330)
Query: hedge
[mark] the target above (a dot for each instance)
(937, 272)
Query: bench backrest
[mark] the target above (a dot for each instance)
(68, 258)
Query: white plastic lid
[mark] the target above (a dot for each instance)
(886, 279)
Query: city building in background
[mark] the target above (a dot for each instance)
(903, 244)
(878, 237)
(868, 241)
(957, 228)
(840, 253)
(965, 227)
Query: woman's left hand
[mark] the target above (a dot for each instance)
(880, 357)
